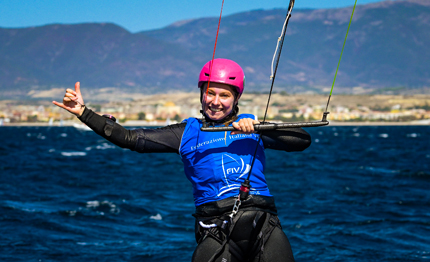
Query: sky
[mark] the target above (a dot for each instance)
(138, 15)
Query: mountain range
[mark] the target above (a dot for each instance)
(388, 46)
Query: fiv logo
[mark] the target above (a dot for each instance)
(230, 169)
(241, 168)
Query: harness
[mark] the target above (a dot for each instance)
(256, 220)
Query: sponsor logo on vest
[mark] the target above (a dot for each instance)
(255, 136)
(222, 139)
(242, 169)
(207, 143)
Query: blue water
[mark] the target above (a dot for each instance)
(357, 194)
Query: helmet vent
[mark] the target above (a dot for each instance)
(206, 74)
(232, 78)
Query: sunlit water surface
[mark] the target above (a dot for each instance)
(357, 194)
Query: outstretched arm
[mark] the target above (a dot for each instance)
(161, 140)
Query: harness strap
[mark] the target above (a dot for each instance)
(235, 250)
(230, 228)
(263, 224)
(264, 235)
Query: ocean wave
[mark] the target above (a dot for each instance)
(68, 154)
(381, 170)
(156, 217)
(367, 191)
(413, 135)
(105, 146)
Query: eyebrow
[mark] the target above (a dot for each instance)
(222, 92)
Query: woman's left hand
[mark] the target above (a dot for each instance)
(244, 126)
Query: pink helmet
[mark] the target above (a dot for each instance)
(224, 71)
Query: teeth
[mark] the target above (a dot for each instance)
(215, 110)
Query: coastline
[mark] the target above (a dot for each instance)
(425, 122)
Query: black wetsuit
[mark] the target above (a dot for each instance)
(168, 139)
(256, 226)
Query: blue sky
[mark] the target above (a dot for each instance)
(137, 15)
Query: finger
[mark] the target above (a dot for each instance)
(78, 88)
(237, 132)
(253, 122)
(70, 91)
(250, 125)
(78, 93)
(236, 125)
(67, 99)
(69, 95)
(59, 104)
(245, 126)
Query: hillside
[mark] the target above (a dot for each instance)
(386, 47)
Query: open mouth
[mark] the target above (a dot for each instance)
(215, 109)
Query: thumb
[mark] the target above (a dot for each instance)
(78, 88)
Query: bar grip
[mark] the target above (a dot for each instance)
(265, 127)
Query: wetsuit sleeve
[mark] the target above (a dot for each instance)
(160, 140)
(291, 139)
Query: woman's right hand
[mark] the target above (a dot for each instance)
(72, 101)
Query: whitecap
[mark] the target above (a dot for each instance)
(156, 217)
(356, 134)
(88, 148)
(73, 153)
(93, 203)
(105, 146)
(71, 213)
(383, 135)
(63, 134)
(113, 209)
(335, 134)
(51, 150)
(412, 135)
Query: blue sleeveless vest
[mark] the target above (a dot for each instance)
(216, 163)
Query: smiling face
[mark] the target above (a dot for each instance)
(219, 101)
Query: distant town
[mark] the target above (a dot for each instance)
(159, 110)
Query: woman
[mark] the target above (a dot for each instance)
(216, 163)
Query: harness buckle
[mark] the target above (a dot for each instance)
(235, 207)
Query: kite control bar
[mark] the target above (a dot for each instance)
(271, 126)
